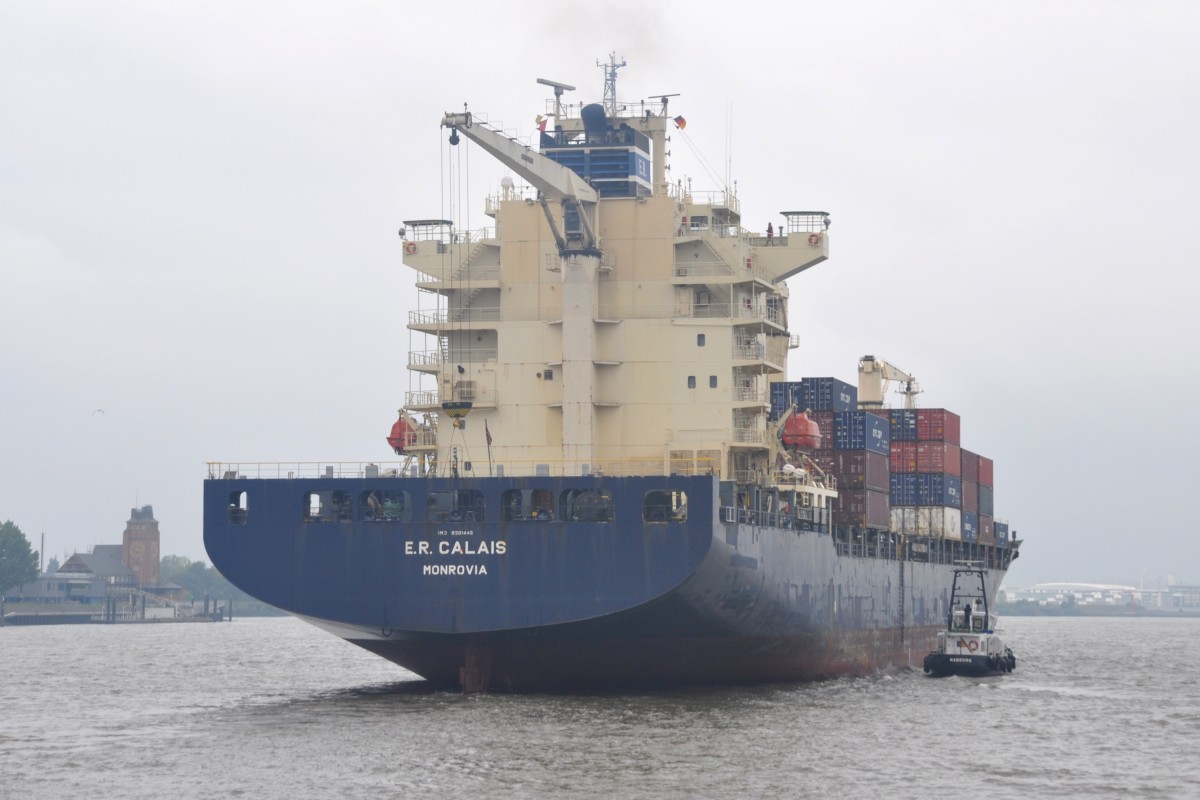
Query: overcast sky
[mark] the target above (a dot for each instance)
(199, 204)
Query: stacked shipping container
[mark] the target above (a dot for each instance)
(898, 468)
(812, 394)
(926, 485)
(854, 446)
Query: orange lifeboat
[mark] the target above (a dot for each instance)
(403, 435)
(800, 432)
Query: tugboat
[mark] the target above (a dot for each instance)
(969, 644)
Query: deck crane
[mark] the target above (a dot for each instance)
(579, 258)
(874, 377)
(552, 180)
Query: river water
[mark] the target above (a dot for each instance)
(273, 708)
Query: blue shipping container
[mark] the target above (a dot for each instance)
(1001, 531)
(939, 489)
(784, 395)
(970, 526)
(985, 501)
(858, 430)
(828, 394)
(904, 488)
(904, 424)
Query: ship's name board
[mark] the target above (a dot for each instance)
(449, 546)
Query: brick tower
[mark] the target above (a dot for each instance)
(139, 546)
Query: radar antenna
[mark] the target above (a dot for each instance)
(559, 88)
(662, 98)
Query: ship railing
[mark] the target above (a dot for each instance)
(770, 313)
(442, 235)
(435, 358)
(706, 269)
(477, 468)
(608, 311)
(774, 519)
(749, 352)
(476, 272)
(749, 435)
(711, 310)
(806, 221)
(523, 192)
(717, 198)
(748, 394)
(421, 397)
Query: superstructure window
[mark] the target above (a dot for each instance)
(691, 381)
(664, 506)
(712, 381)
(587, 505)
(699, 340)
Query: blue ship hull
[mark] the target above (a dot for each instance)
(492, 600)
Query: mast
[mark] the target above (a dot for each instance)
(610, 83)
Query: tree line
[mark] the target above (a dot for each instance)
(19, 565)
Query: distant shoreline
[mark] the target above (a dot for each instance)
(1075, 610)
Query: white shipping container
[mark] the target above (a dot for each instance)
(904, 519)
(939, 521)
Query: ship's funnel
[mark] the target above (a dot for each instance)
(594, 118)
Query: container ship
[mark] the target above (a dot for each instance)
(603, 477)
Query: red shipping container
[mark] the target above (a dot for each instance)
(970, 466)
(904, 456)
(985, 471)
(861, 469)
(824, 460)
(987, 531)
(938, 457)
(938, 425)
(862, 508)
(970, 496)
(824, 420)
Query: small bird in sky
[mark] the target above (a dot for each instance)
(98, 411)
